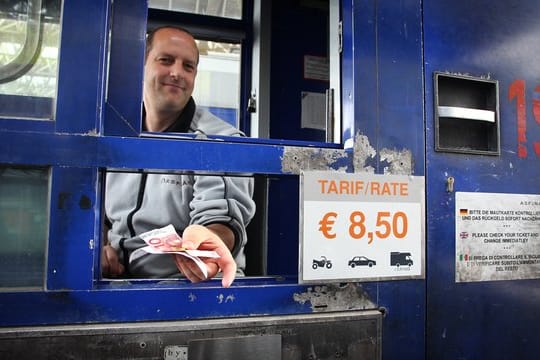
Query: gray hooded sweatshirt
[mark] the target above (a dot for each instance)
(139, 202)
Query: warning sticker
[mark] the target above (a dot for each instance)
(497, 236)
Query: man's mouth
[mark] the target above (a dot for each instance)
(175, 86)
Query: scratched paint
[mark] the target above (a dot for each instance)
(335, 297)
(362, 152)
(222, 299)
(398, 162)
(296, 159)
(395, 162)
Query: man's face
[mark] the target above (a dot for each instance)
(169, 71)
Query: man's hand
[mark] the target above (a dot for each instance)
(202, 238)
(110, 266)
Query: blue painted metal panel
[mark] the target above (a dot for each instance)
(283, 220)
(382, 64)
(292, 18)
(400, 110)
(115, 152)
(123, 106)
(80, 77)
(169, 300)
(27, 125)
(499, 40)
(365, 69)
(72, 239)
(404, 318)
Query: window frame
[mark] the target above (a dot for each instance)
(94, 130)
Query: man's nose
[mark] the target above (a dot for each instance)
(176, 71)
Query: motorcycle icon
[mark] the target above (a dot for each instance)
(323, 262)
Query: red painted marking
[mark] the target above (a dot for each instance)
(537, 148)
(517, 91)
(536, 104)
(536, 113)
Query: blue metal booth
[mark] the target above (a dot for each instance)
(447, 92)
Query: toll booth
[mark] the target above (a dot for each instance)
(439, 96)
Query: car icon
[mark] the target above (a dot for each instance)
(361, 261)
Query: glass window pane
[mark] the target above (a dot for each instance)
(23, 226)
(217, 86)
(223, 8)
(29, 43)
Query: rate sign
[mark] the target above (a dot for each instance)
(361, 227)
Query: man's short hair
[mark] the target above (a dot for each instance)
(151, 33)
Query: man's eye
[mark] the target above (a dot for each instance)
(165, 60)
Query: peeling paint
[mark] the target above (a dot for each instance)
(334, 298)
(92, 132)
(362, 152)
(399, 162)
(464, 74)
(229, 298)
(297, 159)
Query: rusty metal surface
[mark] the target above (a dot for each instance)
(336, 335)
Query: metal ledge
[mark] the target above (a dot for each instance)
(345, 335)
(466, 113)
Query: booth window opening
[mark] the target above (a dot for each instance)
(24, 220)
(219, 75)
(222, 8)
(29, 47)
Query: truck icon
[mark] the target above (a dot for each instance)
(400, 258)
